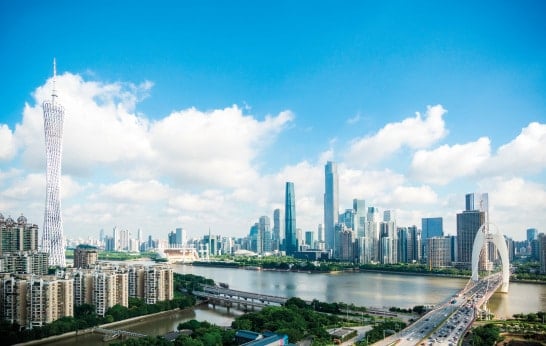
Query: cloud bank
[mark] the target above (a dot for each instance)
(199, 169)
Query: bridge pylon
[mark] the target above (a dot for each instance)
(483, 237)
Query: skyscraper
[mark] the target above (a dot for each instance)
(359, 206)
(331, 203)
(290, 243)
(265, 234)
(276, 236)
(431, 227)
(52, 238)
(468, 224)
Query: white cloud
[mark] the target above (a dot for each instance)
(448, 162)
(415, 133)
(354, 119)
(198, 169)
(525, 154)
(515, 204)
(134, 191)
(215, 148)
(7, 143)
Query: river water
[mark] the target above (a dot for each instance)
(360, 288)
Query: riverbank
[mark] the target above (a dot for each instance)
(233, 265)
(143, 318)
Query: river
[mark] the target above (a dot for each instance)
(360, 288)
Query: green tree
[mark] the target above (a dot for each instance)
(486, 335)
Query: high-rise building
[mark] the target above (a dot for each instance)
(320, 232)
(276, 234)
(331, 203)
(345, 250)
(17, 236)
(468, 224)
(265, 234)
(542, 252)
(52, 237)
(85, 256)
(110, 288)
(348, 218)
(439, 252)
(477, 201)
(431, 227)
(158, 284)
(373, 234)
(290, 241)
(180, 237)
(310, 238)
(532, 234)
(48, 299)
(359, 207)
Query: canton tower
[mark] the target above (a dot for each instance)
(52, 237)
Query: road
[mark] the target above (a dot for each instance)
(447, 322)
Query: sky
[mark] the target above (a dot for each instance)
(195, 114)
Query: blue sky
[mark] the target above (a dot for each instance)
(194, 113)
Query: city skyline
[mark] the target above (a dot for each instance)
(195, 116)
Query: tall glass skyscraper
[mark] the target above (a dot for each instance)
(331, 203)
(276, 236)
(52, 237)
(290, 241)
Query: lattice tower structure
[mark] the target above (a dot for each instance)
(52, 236)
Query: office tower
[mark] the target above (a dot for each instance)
(348, 218)
(389, 215)
(320, 232)
(388, 242)
(542, 252)
(532, 234)
(472, 220)
(414, 244)
(254, 238)
(372, 233)
(180, 237)
(359, 207)
(477, 201)
(85, 256)
(310, 238)
(52, 237)
(402, 244)
(432, 227)
(468, 224)
(439, 252)
(331, 203)
(345, 249)
(265, 234)
(290, 242)
(276, 234)
(300, 240)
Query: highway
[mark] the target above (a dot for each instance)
(448, 321)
